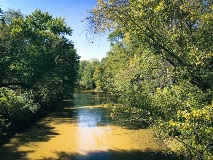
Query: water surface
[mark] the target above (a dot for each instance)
(80, 129)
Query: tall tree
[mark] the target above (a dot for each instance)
(180, 31)
(38, 50)
(39, 67)
(160, 64)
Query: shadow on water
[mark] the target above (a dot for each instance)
(14, 154)
(85, 111)
(39, 132)
(113, 155)
(70, 111)
(99, 155)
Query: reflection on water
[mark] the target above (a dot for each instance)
(81, 130)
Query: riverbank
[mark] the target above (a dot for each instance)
(14, 122)
(81, 129)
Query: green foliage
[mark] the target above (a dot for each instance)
(86, 73)
(10, 14)
(40, 57)
(15, 109)
(160, 67)
(39, 66)
(177, 30)
(151, 90)
(187, 117)
(99, 77)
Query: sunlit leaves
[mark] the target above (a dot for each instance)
(87, 73)
(170, 28)
(39, 66)
(197, 122)
(160, 65)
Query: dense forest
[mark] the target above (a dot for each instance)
(38, 67)
(160, 67)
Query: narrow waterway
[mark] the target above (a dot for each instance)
(80, 129)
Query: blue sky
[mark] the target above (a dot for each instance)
(74, 11)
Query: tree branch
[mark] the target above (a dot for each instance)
(8, 85)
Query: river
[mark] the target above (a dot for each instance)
(80, 129)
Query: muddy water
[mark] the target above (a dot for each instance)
(81, 130)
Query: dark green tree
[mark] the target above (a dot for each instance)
(39, 67)
(39, 54)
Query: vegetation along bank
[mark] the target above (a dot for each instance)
(160, 66)
(38, 67)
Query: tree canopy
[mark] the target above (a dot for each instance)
(161, 67)
(179, 31)
(39, 65)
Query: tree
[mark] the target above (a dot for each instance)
(38, 51)
(177, 30)
(1, 12)
(160, 65)
(86, 72)
(10, 14)
(39, 67)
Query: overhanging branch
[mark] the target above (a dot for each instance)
(9, 85)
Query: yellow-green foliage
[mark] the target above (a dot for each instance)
(160, 66)
(184, 115)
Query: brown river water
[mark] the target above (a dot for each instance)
(80, 129)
